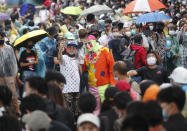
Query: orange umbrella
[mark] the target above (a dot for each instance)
(138, 6)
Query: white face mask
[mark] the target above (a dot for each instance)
(151, 27)
(116, 78)
(151, 61)
(128, 33)
(172, 32)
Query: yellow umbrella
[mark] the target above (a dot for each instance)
(71, 10)
(34, 36)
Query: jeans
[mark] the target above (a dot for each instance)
(27, 74)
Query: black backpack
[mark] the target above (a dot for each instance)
(128, 57)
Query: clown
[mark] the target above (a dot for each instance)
(99, 63)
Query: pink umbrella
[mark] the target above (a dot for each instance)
(138, 6)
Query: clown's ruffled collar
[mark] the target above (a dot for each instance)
(92, 51)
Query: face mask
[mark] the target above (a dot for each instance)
(151, 27)
(133, 15)
(7, 33)
(71, 55)
(2, 42)
(82, 22)
(29, 46)
(165, 116)
(133, 31)
(151, 61)
(184, 2)
(172, 32)
(116, 78)
(169, 25)
(55, 36)
(128, 33)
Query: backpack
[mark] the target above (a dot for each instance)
(128, 57)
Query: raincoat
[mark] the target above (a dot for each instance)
(8, 63)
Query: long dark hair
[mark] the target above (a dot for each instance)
(55, 94)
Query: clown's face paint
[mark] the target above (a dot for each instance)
(89, 46)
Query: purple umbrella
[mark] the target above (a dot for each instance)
(4, 16)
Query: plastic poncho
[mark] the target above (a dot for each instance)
(8, 63)
(40, 67)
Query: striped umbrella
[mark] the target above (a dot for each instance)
(4, 16)
(138, 6)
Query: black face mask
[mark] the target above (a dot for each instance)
(80, 44)
(55, 36)
(29, 46)
(71, 55)
(2, 42)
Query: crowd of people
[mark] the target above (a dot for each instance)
(94, 72)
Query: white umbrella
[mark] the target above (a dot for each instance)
(96, 10)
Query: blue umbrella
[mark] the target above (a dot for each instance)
(24, 9)
(152, 17)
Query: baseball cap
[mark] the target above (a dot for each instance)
(37, 120)
(88, 117)
(123, 85)
(72, 43)
(179, 75)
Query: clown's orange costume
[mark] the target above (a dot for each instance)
(99, 63)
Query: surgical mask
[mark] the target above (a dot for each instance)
(7, 33)
(2, 42)
(151, 27)
(133, 31)
(151, 61)
(172, 32)
(169, 25)
(184, 2)
(116, 78)
(133, 15)
(165, 116)
(82, 22)
(128, 33)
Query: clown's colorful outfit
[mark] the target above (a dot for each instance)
(99, 63)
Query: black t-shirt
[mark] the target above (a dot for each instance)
(55, 54)
(115, 46)
(27, 58)
(158, 74)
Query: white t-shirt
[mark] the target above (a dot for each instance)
(70, 69)
(44, 15)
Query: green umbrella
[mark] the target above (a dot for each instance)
(71, 10)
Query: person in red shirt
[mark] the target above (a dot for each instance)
(140, 55)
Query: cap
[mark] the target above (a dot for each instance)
(88, 117)
(69, 36)
(37, 120)
(91, 37)
(179, 75)
(123, 85)
(72, 43)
